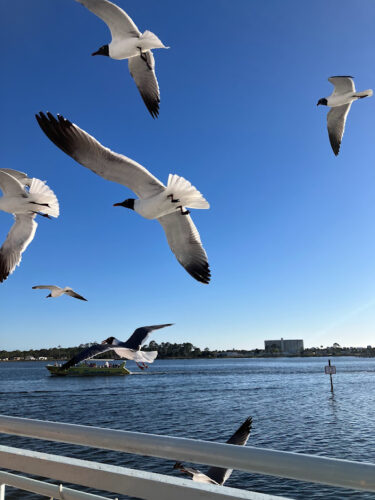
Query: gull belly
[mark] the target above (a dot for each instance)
(156, 206)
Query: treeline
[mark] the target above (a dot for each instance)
(53, 353)
(165, 350)
(185, 350)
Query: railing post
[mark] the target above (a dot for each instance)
(2, 491)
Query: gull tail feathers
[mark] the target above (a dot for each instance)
(364, 93)
(182, 190)
(44, 196)
(138, 356)
(146, 356)
(150, 41)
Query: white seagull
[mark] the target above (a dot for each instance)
(130, 349)
(218, 475)
(156, 201)
(340, 101)
(129, 43)
(56, 291)
(24, 198)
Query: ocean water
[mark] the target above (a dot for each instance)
(289, 399)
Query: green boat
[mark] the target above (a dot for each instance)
(89, 370)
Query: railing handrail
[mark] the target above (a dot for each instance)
(136, 483)
(317, 469)
(45, 489)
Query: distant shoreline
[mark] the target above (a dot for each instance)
(292, 356)
(167, 350)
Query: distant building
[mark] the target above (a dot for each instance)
(284, 346)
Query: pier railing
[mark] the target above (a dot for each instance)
(148, 485)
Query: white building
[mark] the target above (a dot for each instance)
(287, 346)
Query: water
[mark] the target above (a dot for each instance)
(289, 399)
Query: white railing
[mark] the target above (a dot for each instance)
(335, 472)
(41, 488)
(116, 479)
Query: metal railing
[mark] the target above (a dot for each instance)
(42, 488)
(329, 471)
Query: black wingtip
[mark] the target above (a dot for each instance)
(248, 422)
(59, 130)
(4, 270)
(201, 273)
(152, 105)
(342, 76)
(246, 426)
(335, 148)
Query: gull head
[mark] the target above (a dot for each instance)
(322, 101)
(103, 51)
(109, 340)
(129, 203)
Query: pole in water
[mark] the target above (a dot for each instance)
(330, 374)
(330, 370)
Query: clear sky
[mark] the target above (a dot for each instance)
(290, 235)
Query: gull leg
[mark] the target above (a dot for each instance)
(43, 215)
(40, 204)
(144, 57)
(186, 212)
(139, 365)
(172, 200)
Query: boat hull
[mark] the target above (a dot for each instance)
(88, 371)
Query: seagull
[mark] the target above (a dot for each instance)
(23, 197)
(129, 43)
(340, 101)
(156, 201)
(130, 349)
(56, 291)
(218, 475)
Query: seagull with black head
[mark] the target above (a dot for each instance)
(166, 204)
(130, 349)
(129, 43)
(339, 101)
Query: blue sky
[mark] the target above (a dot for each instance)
(290, 234)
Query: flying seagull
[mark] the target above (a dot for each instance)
(129, 43)
(56, 291)
(24, 198)
(218, 475)
(340, 101)
(130, 349)
(156, 201)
